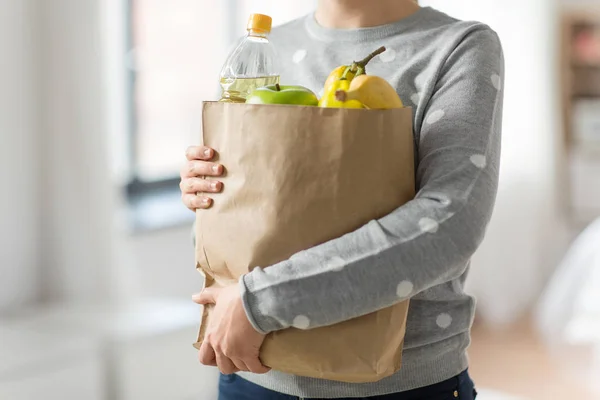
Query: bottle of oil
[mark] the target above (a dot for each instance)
(253, 63)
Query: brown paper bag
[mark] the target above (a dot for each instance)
(297, 177)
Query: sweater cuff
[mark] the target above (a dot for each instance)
(252, 305)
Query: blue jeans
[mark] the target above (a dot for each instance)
(460, 387)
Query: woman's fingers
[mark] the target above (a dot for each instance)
(254, 365)
(240, 364)
(225, 365)
(193, 201)
(206, 355)
(190, 188)
(199, 153)
(196, 168)
(191, 183)
(195, 185)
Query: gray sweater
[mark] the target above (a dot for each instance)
(451, 73)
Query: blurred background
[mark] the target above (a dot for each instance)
(100, 98)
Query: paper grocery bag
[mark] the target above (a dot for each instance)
(297, 177)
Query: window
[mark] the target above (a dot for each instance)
(176, 50)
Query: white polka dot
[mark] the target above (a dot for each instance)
(404, 289)
(428, 225)
(388, 56)
(301, 322)
(478, 160)
(299, 56)
(337, 263)
(443, 320)
(421, 80)
(435, 116)
(496, 81)
(415, 98)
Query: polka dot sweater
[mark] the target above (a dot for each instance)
(451, 73)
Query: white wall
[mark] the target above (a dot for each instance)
(164, 262)
(58, 205)
(525, 238)
(83, 256)
(19, 157)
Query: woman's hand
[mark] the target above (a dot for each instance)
(230, 342)
(194, 187)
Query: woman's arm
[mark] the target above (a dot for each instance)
(424, 243)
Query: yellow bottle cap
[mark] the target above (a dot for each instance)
(260, 23)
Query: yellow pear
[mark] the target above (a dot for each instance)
(372, 91)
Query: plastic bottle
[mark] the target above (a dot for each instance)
(253, 63)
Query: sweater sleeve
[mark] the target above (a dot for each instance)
(424, 243)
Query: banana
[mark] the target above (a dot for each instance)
(372, 91)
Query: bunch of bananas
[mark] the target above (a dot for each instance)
(349, 86)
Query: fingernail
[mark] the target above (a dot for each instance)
(205, 200)
(207, 152)
(215, 168)
(214, 185)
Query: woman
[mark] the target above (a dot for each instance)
(451, 73)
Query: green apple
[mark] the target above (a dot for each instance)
(276, 94)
